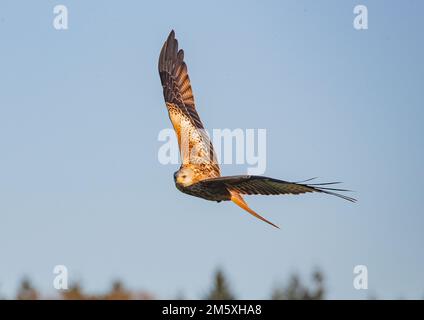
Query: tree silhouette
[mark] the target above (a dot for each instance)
(118, 292)
(74, 293)
(26, 291)
(220, 289)
(297, 291)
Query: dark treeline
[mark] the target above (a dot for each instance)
(219, 289)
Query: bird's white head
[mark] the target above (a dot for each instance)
(184, 176)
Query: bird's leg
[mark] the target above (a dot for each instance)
(238, 200)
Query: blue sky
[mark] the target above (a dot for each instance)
(81, 109)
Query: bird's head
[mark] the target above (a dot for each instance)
(184, 176)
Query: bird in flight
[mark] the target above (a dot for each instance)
(199, 174)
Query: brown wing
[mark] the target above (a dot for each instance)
(268, 186)
(195, 145)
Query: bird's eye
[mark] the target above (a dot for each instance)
(184, 176)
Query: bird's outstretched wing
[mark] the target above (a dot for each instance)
(195, 145)
(251, 185)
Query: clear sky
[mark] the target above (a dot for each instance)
(81, 109)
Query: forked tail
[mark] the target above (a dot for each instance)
(238, 200)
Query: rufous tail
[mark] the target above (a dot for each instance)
(238, 200)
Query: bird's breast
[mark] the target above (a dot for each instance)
(200, 191)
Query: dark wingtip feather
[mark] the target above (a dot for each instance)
(171, 34)
(319, 187)
(330, 191)
(324, 184)
(339, 195)
(303, 181)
